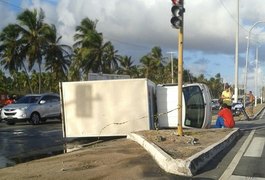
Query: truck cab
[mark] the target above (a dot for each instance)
(196, 103)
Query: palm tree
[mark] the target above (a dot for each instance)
(2, 80)
(110, 59)
(57, 56)
(12, 51)
(34, 80)
(126, 66)
(151, 64)
(90, 47)
(34, 33)
(74, 69)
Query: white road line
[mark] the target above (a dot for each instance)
(233, 177)
(230, 169)
(262, 115)
(256, 147)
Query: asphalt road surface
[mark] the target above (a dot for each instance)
(24, 142)
(245, 159)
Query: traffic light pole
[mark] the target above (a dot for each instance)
(180, 79)
(177, 22)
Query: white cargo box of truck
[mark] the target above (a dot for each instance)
(196, 103)
(107, 107)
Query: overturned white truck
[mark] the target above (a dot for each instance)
(118, 107)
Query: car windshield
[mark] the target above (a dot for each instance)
(28, 99)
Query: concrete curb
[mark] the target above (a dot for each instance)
(189, 166)
(257, 114)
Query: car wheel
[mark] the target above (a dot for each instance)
(35, 118)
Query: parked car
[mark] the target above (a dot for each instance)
(34, 108)
(237, 108)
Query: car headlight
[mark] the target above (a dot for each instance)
(23, 108)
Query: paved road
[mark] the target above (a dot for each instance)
(243, 160)
(249, 162)
(23, 142)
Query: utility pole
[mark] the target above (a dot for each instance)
(172, 66)
(236, 56)
(177, 22)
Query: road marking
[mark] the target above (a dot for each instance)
(230, 169)
(256, 147)
(233, 177)
(261, 116)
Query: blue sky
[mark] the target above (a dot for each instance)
(136, 26)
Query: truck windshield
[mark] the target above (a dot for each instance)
(195, 107)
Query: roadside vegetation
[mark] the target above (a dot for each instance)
(33, 59)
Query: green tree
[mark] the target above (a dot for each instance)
(110, 59)
(91, 53)
(151, 65)
(216, 85)
(57, 57)
(127, 67)
(12, 51)
(34, 32)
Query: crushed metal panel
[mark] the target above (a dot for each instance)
(106, 108)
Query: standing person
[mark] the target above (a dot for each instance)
(227, 96)
(250, 103)
(225, 118)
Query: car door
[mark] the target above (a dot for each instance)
(53, 106)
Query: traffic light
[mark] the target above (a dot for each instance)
(177, 13)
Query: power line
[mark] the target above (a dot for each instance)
(235, 19)
(231, 15)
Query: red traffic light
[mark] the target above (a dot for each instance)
(175, 2)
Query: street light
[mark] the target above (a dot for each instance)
(247, 56)
(256, 74)
(172, 66)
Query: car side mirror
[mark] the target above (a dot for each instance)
(42, 102)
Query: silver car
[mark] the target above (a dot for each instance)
(35, 108)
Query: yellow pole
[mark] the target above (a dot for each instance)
(180, 77)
